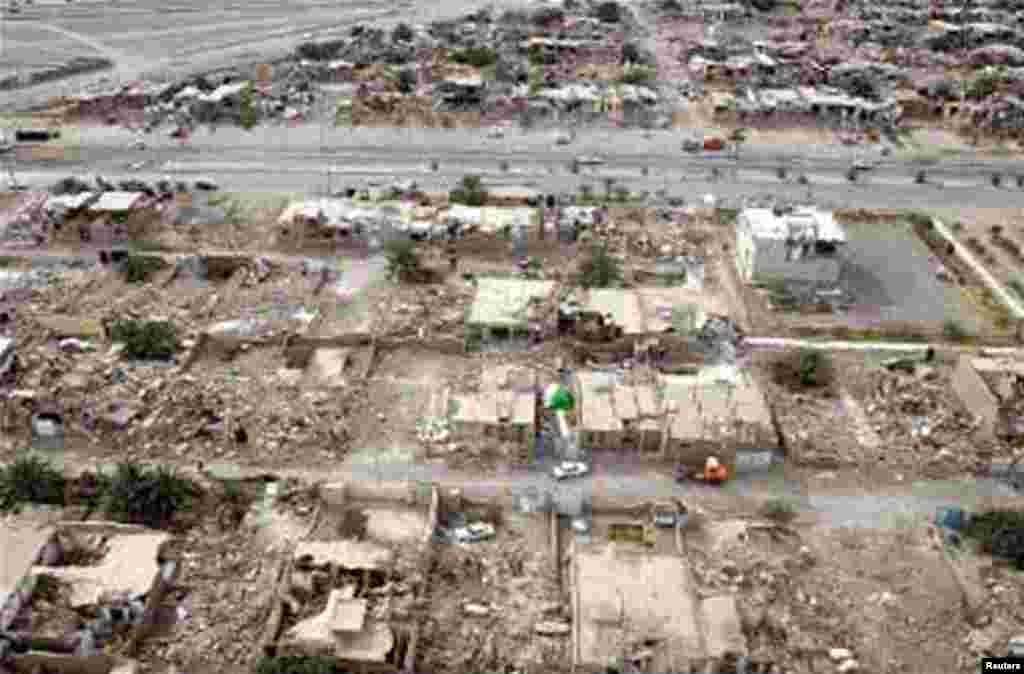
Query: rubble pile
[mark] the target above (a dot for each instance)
(923, 425)
(489, 600)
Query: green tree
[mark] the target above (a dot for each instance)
(248, 111)
(402, 258)
(146, 339)
(470, 192)
(601, 269)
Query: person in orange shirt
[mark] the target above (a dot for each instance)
(714, 471)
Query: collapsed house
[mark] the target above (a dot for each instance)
(651, 311)
(801, 244)
(117, 573)
(504, 409)
(627, 602)
(505, 308)
(337, 220)
(993, 390)
(348, 629)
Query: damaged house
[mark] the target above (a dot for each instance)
(800, 244)
(505, 408)
(458, 93)
(350, 628)
(993, 390)
(717, 409)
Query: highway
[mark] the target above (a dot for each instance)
(314, 160)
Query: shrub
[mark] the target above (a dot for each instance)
(983, 85)
(470, 192)
(638, 74)
(478, 57)
(402, 258)
(808, 368)
(779, 510)
(601, 269)
(407, 80)
(320, 51)
(139, 268)
(31, 479)
(609, 12)
(1018, 287)
(402, 33)
(151, 497)
(146, 339)
(296, 664)
(955, 330)
(1000, 533)
(248, 111)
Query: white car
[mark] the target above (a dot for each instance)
(474, 533)
(590, 160)
(569, 469)
(135, 166)
(496, 133)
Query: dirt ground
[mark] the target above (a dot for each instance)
(885, 596)
(999, 254)
(513, 576)
(881, 416)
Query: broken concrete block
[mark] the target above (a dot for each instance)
(848, 666)
(476, 610)
(839, 654)
(550, 628)
(723, 631)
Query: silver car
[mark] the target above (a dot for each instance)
(570, 469)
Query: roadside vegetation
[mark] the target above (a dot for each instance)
(145, 340)
(134, 494)
(600, 269)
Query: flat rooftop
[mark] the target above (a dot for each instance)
(654, 310)
(505, 303)
(653, 592)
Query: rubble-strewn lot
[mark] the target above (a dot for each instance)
(887, 598)
(486, 599)
(891, 424)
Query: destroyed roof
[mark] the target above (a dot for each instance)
(346, 553)
(128, 566)
(506, 302)
(117, 201)
(605, 404)
(721, 394)
(763, 223)
(70, 201)
(224, 91)
(341, 213)
(329, 632)
(654, 591)
(654, 310)
(22, 545)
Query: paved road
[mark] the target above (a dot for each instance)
(290, 160)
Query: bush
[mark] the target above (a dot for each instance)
(296, 664)
(955, 330)
(407, 80)
(638, 74)
(808, 368)
(402, 33)
(151, 497)
(601, 269)
(609, 12)
(248, 111)
(402, 258)
(478, 57)
(779, 510)
(320, 51)
(999, 533)
(139, 268)
(983, 85)
(156, 340)
(31, 479)
(470, 192)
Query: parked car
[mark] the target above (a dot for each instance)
(496, 133)
(589, 160)
(570, 469)
(206, 184)
(474, 533)
(692, 145)
(666, 519)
